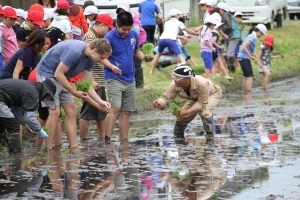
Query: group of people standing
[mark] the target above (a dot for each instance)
(56, 44)
(201, 94)
(101, 53)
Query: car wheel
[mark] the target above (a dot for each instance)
(280, 20)
(292, 16)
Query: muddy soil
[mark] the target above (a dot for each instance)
(254, 154)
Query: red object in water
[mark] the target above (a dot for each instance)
(273, 137)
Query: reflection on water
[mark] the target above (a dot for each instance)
(254, 146)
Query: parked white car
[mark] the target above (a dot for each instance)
(182, 5)
(266, 12)
(293, 8)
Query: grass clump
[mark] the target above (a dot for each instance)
(84, 85)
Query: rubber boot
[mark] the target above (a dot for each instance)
(231, 64)
(208, 125)
(14, 144)
(139, 78)
(139, 75)
(107, 139)
(179, 130)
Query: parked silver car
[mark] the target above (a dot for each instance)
(293, 8)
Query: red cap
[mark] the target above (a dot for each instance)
(63, 4)
(1, 10)
(105, 19)
(273, 137)
(38, 7)
(10, 12)
(269, 40)
(37, 17)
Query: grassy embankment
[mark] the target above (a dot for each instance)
(286, 43)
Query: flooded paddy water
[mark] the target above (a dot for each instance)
(253, 155)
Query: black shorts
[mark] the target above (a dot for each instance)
(10, 124)
(215, 55)
(44, 112)
(89, 112)
(246, 67)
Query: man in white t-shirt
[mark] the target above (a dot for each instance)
(169, 36)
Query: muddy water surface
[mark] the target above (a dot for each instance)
(253, 155)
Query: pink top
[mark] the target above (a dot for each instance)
(142, 32)
(206, 35)
(9, 41)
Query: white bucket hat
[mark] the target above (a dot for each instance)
(90, 10)
(210, 19)
(218, 25)
(238, 13)
(21, 13)
(49, 13)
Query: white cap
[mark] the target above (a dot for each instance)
(217, 17)
(49, 13)
(218, 25)
(210, 19)
(223, 6)
(209, 3)
(90, 10)
(237, 13)
(124, 6)
(215, 2)
(262, 28)
(174, 12)
(203, 2)
(21, 13)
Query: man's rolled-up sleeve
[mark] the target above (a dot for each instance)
(168, 96)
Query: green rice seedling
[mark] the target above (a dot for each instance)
(175, 108)
(147, 49)
(84, 85)
(46, 129)
(176, 105)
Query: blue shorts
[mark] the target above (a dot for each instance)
(207, 59)
(171, 44)
(237, 49)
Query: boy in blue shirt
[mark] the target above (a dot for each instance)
(119, 73)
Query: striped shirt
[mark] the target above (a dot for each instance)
(98, 69)
(1, 42)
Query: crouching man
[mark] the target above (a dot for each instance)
(201, 94)
(18, 101)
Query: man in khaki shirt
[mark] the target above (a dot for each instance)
(201, 94)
